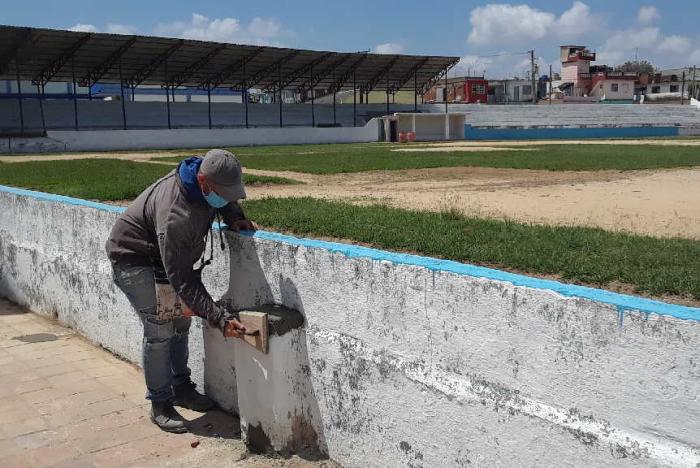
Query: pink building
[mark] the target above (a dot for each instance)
(576, 68)
(597, 81)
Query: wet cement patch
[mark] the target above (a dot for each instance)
(36, 338)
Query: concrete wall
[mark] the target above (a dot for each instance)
(102, 115)
(105, 140)
(559, 133)
(411, 361)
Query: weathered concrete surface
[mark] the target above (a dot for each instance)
(409, 363)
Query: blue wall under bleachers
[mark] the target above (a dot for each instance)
(557, 133)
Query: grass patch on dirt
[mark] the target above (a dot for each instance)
(652, 266)
(333, 159)
(97, 179)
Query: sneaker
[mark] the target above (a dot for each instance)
(187, 397)
(167, 418)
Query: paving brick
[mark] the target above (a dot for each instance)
(17, 460)
(8, 387)
(22, 427)
(106, 370)
(17, 414)
(112, 437)
(63, 368)
(48, 456)
(8, 447)
(75, 401)
(37, 439)
(67, 377)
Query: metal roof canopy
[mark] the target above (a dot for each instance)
(44, 55)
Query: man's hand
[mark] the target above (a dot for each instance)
(243, 225)
(234, 329)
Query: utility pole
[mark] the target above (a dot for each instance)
(550, 84)
(683, 87)
(532, 72)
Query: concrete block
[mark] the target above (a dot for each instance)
(273, 388)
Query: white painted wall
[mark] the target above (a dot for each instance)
(107, 140)
(411, 361)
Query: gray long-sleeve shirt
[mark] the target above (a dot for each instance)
(163, 225)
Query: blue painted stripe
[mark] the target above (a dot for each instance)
(558, 133)
(62, 199)
(620, 301)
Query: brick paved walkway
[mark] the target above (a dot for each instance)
(66, 402)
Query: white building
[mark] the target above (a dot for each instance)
(509, 91)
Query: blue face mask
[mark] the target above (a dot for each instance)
(215, 200)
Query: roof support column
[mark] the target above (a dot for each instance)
(279, 88)
(167, 94)
(387, 94)
(445, 94)
(19, 97)
(415, 91)
(121, 90)
(75, 95)
(40, 95)
(245, 93)
(354, 99)
(313, 110)
(209, 103)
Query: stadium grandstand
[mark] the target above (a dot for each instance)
(33, 59)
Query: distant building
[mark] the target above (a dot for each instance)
(669, 84)
(580, 79)
(463, 89)
(510, 91)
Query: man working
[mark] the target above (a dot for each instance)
(165, 231)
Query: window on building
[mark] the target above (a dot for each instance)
(478, 89)
(614, 87)
(655, 89)
(674, 88)
(527, 89)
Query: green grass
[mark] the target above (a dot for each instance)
(333, 159)
(587, 255)
(96, 179)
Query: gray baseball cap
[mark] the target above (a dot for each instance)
(223, 170)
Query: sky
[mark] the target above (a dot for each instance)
(491, 38)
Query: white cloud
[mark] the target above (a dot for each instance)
(576, 21)
(259, 31)
(649, 43)
(80, 27)
(675, 45)
(648, 14)
(511, 24)
(504, 23)
(623, 44)
(115, 28)
(388, 48)
(265, 27)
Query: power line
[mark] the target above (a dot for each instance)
(503, 54)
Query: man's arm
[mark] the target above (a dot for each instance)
(175, 241)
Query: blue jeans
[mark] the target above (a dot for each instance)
(165, 342)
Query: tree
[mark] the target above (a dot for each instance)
(636, 66)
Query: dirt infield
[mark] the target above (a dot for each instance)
(654, 202)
